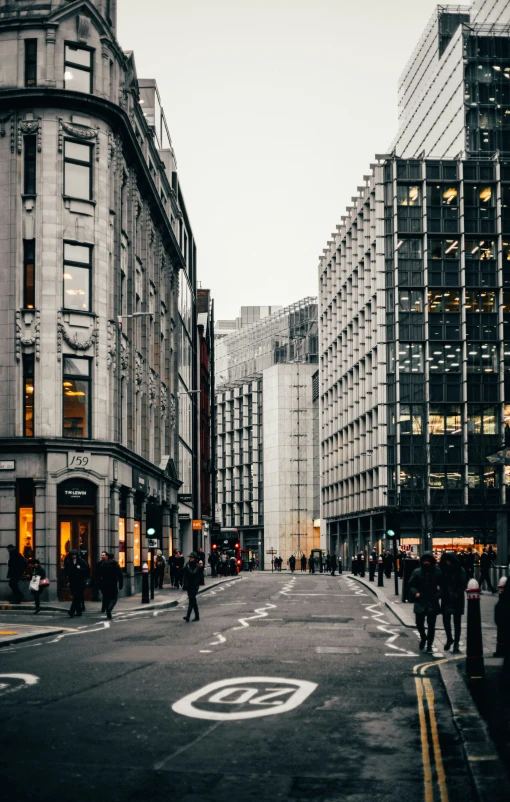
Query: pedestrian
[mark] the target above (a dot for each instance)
(470, 564)
(328, 562)
(292, 563)
(453, 587)
(332, 564)
(485, 566)
(201, 555)
(37, 573)
(502, 621)
(303, 563)
(16, 567)
(424, 590)
(280, 563)
(171, 569)
(388, 563)
(232, 566)
(191, 584)
(361, 563)
(213, 562)
(179, 567)
(223, 564)
(77, 571)
(311, 564)
(159, 569)
(110, 580)
(104, 556)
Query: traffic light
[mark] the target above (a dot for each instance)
(154, 520)
(392, 524)
(390, 533)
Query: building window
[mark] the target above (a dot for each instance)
(411, 419)
(29, 164)
(445, 420)
(25, 504)
(77, 277)
(410, 300)
(29, 274)
(76, 397)
(78, 69)
(482, 420)
(30, 62)
(482, 358)
(137, 549)
(445, 358)
(28, 395)
(122, 542)
(77, 170)
(410, 357)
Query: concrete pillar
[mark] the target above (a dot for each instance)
(167, 531)
(42, 551)
(114, 518)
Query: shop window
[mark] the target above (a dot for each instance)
(77, 170)
(78, 69)
(76, 397)
(77, 277)
(137, 545)
(122, 542)
(29, 164)
(25, 503)
(30, 62)
(28, 395)
(29, 273)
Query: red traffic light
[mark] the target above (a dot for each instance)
(237, 545)
(214, 546)
(239, 562)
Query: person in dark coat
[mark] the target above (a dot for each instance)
(171, 569)
(292, 563)
(159, 569)
(179, 567)
(470, 564)
(361, 563)
(502, 621)
(16, 567)
(453, 587)
(485, 565)
(104, 556)
(110, 580)
(424, 590)
(78, 572)
(311, 565)
(201, 556)
(388, 563)
(191, 584)
(303, 563)
(332, 564)
(327, 563)
(36, 569)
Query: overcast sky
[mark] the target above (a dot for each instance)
(276, 109)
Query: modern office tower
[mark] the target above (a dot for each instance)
(415, 308)
(247, 315)
(98, 276)
(264, 432)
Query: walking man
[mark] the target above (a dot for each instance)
(424, 588)
(332, 563)
(77, 571)
(303, 563)
(453, 586)
(191, 584)
(292, 563)
(16, 567)
(485, 564)
(110, 581)
(159, 565)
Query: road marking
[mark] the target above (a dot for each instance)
(27, 679)
(242, 691)
(427, 770)
(336, 650)
(5, 632)
(441, 779)
(260, 613)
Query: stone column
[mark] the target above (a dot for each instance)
(50, 56)
(103, 520)
(167, 531)
(130, 517)
(143, 531)
(105, 64)
(41, 537)
(114, 517)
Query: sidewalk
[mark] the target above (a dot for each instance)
(165, 598)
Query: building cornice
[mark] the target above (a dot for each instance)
(118, 119)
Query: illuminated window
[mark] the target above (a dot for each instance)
(482, 250)
(28, 395)
(137, 548)
(25, 498)
(482, 358)
(408, 195)
(78, 69)
(76, 396)
(29, 273)
(122, 542)
(410, 357)
(443, 301)
(411, 419)
(480, 301)
(410, 301)
(445, 358)
(482, 420)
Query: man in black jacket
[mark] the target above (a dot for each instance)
(485, 565)
(178, 568)
(453, 587)
(424, 588)
(110, 580)
(16, 567)
(78, 572)
(191, 583)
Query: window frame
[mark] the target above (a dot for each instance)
(30, 63)
(28, 259)
(76, 66)
(28, 376)
(83, 378)
(82, 265)
(29, 158)
(70, 160)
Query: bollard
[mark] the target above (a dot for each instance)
(339, 565)
(380, 573)
(361, 565)
(474, 645)
(354, 569)
(371, 569)
(501, 644)
(145, 584)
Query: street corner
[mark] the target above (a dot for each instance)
(11, 634)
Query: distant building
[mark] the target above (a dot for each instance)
(248, 315)
(205, 324)
(264, 431)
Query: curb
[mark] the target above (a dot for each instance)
(484, 764)
(35, 636)
(155, 605)
(382, 598)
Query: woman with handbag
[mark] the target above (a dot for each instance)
(38, 582)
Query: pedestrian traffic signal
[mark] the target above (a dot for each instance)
(151, 531)
(390, 533)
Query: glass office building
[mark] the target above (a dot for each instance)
(415, 308)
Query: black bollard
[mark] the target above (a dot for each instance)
(501, 640)
(380, 573)
(354, 568)
(474, 646)
(339, 565)
(145, 584)
(361, 565)
(371, 569)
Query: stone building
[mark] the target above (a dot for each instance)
(415, 308)
(97, 279)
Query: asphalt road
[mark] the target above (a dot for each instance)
(108, 718)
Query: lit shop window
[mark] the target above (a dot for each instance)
(26, 532)
(122, 542)
(28, 395)
(137, 550)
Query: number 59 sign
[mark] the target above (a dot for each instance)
(247, 697)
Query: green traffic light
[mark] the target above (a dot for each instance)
(151, 531)
(390, 533)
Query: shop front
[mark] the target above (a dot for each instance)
(76, 529)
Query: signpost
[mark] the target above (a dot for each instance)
(271, 552)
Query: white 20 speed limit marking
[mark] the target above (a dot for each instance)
(265, 696)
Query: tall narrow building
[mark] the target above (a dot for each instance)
(415, 308)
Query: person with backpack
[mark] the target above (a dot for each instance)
(37, 573)
(16, 567)
(110, 580)
(159, 569)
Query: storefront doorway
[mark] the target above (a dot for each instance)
(76, 530)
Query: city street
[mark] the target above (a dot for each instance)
(314, 697)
